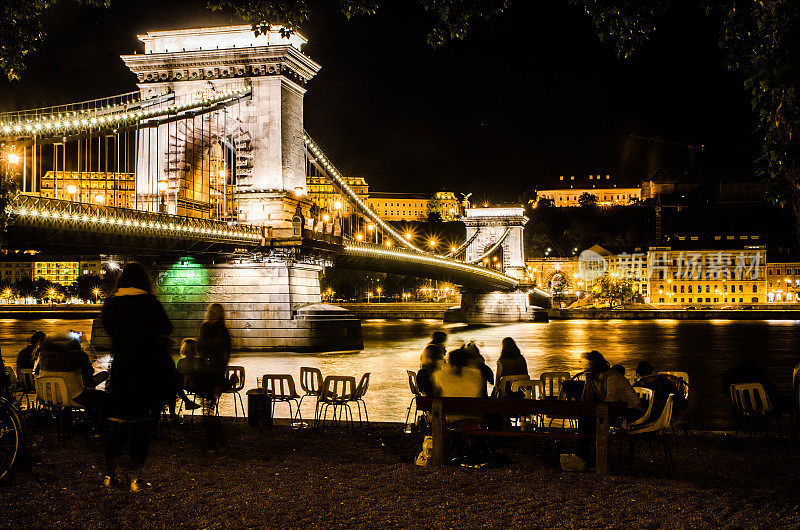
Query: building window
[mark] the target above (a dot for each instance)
(755, 288)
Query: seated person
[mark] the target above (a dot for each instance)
(26, 358)
(459, 378)
(749, 371)
(605, 384)
(190, 366)
(662, 386)
(511, 362)
(432, 359)
(66, 359)
(477, 360)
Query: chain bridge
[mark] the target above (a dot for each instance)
(201, 176)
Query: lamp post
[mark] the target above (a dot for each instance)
(162, 190)
(72, 190)
(378, 290)
(371, 228)
(96, 293)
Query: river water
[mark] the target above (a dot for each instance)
(704, 349)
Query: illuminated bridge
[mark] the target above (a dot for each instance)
(201, 175)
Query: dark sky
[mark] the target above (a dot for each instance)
(529, 96)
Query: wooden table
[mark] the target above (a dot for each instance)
(602, 412)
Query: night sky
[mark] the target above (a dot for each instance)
(529, 96)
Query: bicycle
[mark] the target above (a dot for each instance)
(12, 436)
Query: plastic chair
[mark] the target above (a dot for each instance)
(681, 380)
(654, 429)
(532, 388)
(236, 374)
(412, 384)
(753, 405)
(52, 393)
(551, 383)
(310, 382)
(503, 384)
(644, 394)
(281, 389)
(337, 392)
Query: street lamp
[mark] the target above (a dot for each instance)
(13, 159)
(432, 243)
(359, 237)
(96, 293)
(378, 290)
(100, 199)
(72, 190)
(388, 243)
(162, 189)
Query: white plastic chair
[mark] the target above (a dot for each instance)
(533, 389)
(752, 403)
(504, 382)
(53, 393)
(337, 392)
(551, 383)
(645, 394)
(657, 428)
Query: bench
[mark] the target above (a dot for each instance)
(602, 412)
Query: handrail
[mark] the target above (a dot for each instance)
(79, 107)
(61, 126)
(463, 245)
(429, 259)
(31, 206)
(337, 180)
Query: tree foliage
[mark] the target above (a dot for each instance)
(587, 200)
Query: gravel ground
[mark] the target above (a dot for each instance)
(333, 478)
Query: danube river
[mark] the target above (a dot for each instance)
(704, 349)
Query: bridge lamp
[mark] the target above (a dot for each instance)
(408, 235)
(326, 217)
(337, 205)
(100, 199)
(452, 249)
(359, 237)
(388, 243)
(432, 243)
(370, 227)
(13, 159)
(72, 190)
(299, 191)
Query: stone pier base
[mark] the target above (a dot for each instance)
(495, 307)
(269, 306)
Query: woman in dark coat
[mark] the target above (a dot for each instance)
(139, 376)
(214, 343)
(511, 362)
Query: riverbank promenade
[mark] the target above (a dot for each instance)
(333, 478)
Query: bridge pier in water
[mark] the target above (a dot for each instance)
(272, 306)
(498, 307)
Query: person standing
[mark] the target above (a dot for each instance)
(214, 344)
(138, 327)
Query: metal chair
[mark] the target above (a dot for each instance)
(751, 402)
(645, 394)
(310, 382)
(551, 383)
(654, 429)
(26, 385)
(358, 397)
(412, 384)
(337, 392)
(281, 389)
(235, 374)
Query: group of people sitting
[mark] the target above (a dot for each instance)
(142, 378)
(462, 372)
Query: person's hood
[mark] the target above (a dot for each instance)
(129, 291)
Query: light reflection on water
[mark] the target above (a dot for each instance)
(704, 349)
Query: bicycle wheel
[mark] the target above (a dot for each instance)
(11, 438)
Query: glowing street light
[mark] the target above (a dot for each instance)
(72, 190)
(326, 217)
(388, 243)
(359, 237)
(337, 205)
(299, 191)
(162, 189)
(13, 159)
(99, 199)
(452, 249)
(432, 243)
(96, 293)
(408, 236)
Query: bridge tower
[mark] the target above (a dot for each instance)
(492, 231)
(486, 227)
(265, 132)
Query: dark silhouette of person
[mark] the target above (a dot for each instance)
(662, 386)
(139, 375)
(214, 345)
(477, 360)
(66, 359)
(432, 359)
(26, 358)
(511, 362)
